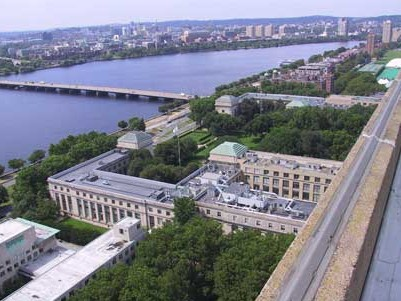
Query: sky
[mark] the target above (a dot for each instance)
(17, 15)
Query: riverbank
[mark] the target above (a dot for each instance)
(134, 53)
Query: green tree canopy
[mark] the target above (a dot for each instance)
(122, 124)
(37, 155)
(184, 210)
(16, 163)
(3, 195)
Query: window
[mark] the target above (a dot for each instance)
(105, 199)
(121, 203)
(83, 193)
(306, 187)
(136, 206)
(121, 231)
(77, 192)
(159, 211)
(315, 198)
(265, 188)
(306, 178)
(286, 175)
(113, 201)
(137, 216)
(286, 183)
(245, 220)
(97, 198)
(295, 194)
(295, 185)
(286, 193)
(207, 211)
(129, 213)
(218, 213)
(257, 222)
(270, 225)
(266, 181)
(168, 213)
(275, 182)
(91, 196)
(258, 171)
(328, 181)
(159, 221)
(282, 227)
(150, 209)
(55, 187)
(305, 195)
(296, 176)
(129, 205)
(276, 173)
(275, 190)
(234, 218)
(295, 230)
(61, 188)
(256, 179)
(266, 172)
(316, 188)
(317, 180)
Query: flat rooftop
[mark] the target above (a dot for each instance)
(42, 232)
(11, 228)
(89, 175)
(71, 271)
(279, 206)
(260, 159)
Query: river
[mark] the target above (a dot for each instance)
(33, 120)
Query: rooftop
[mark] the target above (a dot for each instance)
(11, 228)
(260, 159)
(42, 232)
(68, 273)
(227, 100)
(135, 137)
(230, 149)
(389, 73)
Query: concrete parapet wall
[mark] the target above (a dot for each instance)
(347, 271)
(351, 260)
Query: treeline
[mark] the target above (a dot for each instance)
(164, 164)
(324, 133)
(30, 195)
(351, 82)
(192, 261)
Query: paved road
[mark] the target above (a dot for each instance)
(308, 271)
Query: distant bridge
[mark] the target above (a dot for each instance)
(92, 90)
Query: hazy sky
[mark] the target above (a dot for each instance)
(43, 14)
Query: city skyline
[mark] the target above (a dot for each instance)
(26, 15)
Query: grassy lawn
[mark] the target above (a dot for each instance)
(251, 142)
(391, 54)
(197, 135)
(80, 225)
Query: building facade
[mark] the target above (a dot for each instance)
(370, 44)
(59, 283)
(22, 242)
(99, 192)
(342, 27)
(387, 32)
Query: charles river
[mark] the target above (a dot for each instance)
(33, 120)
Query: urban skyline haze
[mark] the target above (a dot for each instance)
(24, 15)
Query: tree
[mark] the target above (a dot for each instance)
(137, 124)
(3, 195)
(16, 163)
(240, 277)
(122, 124)
(107, 286)
(184, 210)
(2, 168)
(37, 155)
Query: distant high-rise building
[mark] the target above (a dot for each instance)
(250, 31)
(281, 30)
(342, 27)
(125, 31)
(269, 30)
(396, 34)
(387, 32)
(370, 44)
(260, 31)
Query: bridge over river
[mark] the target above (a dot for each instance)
(92, 90)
